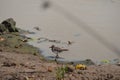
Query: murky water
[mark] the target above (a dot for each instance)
(92, 25)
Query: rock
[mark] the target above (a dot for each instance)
(37, 28)
(27, 78)
(118, 64)
(25, 40)
(9, 64)
(50, 69)
(2, 28)
(8, 25)
(69, 69)
(1, 50)
(14, 76)
(16, 46)
(109, 76)
(8, 77)
(1, 39)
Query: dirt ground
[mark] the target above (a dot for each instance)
(16, 66)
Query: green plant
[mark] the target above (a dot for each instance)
(61, 72)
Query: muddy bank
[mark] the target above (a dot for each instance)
(18, 66)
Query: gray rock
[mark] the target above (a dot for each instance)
(8, 25)
(2, 28)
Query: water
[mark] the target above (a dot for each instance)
(92, 25)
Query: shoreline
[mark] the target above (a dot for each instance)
(38, 51)
(28, 66)
(74, 62)
(22, 62)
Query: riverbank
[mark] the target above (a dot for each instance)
(92, 26)
(14, 42)
(17, 66)
(20, 61)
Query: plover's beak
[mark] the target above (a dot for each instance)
(50, 47)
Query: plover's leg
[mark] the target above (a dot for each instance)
(57, 56)
(55, 59)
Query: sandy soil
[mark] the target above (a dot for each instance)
(14, 66)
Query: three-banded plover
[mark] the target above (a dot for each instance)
(57, 50)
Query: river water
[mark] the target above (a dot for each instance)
(92, 25)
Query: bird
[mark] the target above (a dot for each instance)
(57, 50)
(37, 28)
(70, 42)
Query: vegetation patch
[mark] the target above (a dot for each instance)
(13, 43)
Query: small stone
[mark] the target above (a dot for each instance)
(118, 64)
(79, 72)
(9, 64)
(50, 69)
(1, 50)
(16, 46)
(26, 78)
(109, 76)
